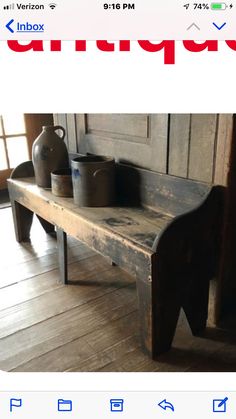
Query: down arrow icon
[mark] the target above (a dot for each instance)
(219, 27)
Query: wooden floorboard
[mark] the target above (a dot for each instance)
(92, 323)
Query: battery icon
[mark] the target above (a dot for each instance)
(218, 6)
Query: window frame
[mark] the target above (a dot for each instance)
(4, 137)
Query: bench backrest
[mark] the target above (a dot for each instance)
(158, 191)
(170, 194)
(140, 187)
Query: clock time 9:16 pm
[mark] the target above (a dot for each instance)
(118, 6)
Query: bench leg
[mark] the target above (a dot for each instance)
(145, 315)
(22, 218)
(158, 319)
(62, 255)
(48, 227)
(195, 303)
(166, 317)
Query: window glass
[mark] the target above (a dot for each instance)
(14, 123)
(17, 150)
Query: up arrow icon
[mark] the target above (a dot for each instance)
(193, 25)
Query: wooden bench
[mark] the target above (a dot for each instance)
(164, 230)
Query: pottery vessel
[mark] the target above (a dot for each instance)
(62, 183)
(93, 179)
(49, 153)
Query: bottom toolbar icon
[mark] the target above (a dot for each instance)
(220, 405)
(166, 405)
(64, 405)
(15, 403)
(117, 405)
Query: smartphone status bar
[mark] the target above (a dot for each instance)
(118, 20)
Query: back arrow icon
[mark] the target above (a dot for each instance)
(166, 405)
(8, 25)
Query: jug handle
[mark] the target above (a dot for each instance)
(100, 171)
(58, 127)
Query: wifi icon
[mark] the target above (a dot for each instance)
(52, 5)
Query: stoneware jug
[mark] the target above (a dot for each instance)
(49, 153)
(93, 179)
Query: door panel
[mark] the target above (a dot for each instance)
(194, 146)
(137, 139)
(135, 127)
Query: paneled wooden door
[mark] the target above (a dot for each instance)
(131, 138)
(139, 139)
(194, 146)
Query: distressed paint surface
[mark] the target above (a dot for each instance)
(160, 247)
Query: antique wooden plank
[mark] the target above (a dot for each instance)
(90, 286)
(71, 133)
(179, 135)
(25, 169)
(148, 151)
(79, 350)
(80, 126)
(158, 147)
(109, 356)
(36, 248)
(125, 253)
(109, 134)
(115, 331)
(27, 344)
(226, 292)
(138, 225)
(27, 289)
(49, 305)
(202, 147)
(7, 230)
(56, 360)
(133, 125)
(92, 364)
(166, 194)
(78, 359)
(55, 119)
(54, 332)
(133, 361)
(13, 274)
(224, 141)
(121, 234)
(107, 301)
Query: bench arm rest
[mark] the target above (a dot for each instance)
(25, 169)
(193, 240)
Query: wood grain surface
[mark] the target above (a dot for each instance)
(95, 326)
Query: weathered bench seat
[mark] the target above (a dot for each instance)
(164, 230)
